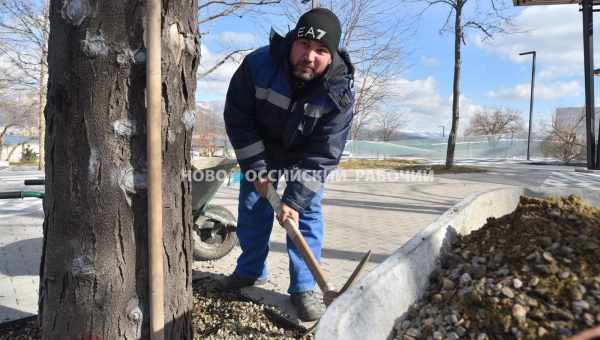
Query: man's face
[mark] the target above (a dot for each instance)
(309, 59)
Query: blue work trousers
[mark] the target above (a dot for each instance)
(255, 222)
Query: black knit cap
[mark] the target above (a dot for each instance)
(319, 24)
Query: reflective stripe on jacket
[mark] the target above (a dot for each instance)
(272, 128)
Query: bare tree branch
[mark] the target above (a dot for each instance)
(15, 112)
(23, 47)
(209, 131)
(227, 8)
(237, 3)
(213, 10)
(388, 123)
(230, 55)
(494, 123)
(566, 140)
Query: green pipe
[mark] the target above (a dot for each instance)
(21, 194)
(34, 194)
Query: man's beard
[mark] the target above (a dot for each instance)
(304, 75)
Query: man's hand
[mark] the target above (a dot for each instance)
(287, 212)
(262, 186)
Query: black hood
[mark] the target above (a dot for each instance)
(337, 80)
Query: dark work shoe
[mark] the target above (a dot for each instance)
(235, 282)
(308, 306)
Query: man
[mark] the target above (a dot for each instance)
(289, 106)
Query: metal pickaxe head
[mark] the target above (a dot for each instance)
(291, 228)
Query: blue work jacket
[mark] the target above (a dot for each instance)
(273, 124)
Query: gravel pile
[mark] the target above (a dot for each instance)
(216, 315)
(533, 274)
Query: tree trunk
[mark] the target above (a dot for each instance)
(41, 105)
(5, 131)
(456, 86)
(94, 270)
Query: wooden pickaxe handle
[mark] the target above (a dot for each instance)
(293, 232)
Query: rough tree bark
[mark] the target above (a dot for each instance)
(94, 271)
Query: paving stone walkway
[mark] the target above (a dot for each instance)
(380, 216)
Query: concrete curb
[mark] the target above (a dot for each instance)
(587, 171)
(370, 309)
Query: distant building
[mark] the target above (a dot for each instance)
(211, 145)
(569, 116)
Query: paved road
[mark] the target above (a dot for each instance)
(20, 247)
(11, 180)
(531, 175)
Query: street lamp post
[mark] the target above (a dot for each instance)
(593, 152)
(533, 53)
(587, 9)
(443, 130)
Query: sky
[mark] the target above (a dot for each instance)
(493, 73)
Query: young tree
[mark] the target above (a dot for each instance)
(495, 123)
(14, 113)
(485, 16)
(24, 49)
(387, 123)
(94, 268)
(209, 130)
(566, 140)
